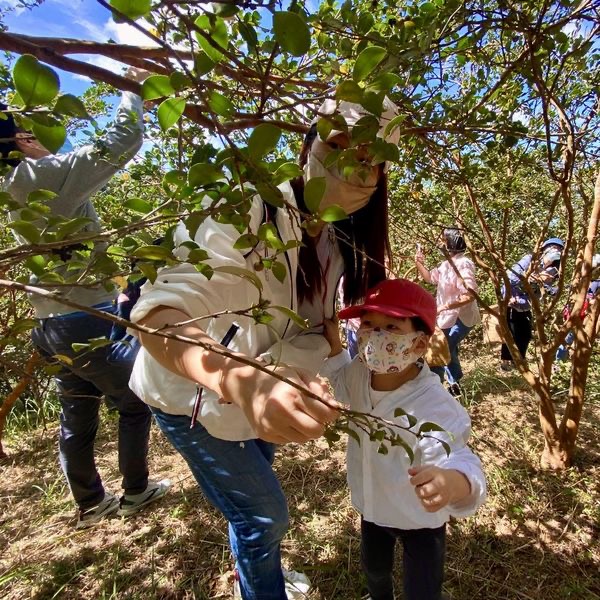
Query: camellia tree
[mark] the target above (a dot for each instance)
(489, 94)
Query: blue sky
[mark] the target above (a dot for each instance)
(81, 19)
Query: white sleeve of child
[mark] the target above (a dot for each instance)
(334, 369)
(461, 459)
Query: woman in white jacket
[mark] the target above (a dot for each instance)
(229, 441)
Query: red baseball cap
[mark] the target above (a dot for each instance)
(397, 298)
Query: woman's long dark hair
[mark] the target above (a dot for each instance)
(362, 238)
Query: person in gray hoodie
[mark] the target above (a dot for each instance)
(85, 377)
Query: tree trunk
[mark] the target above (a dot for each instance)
(554, 455)
(9, 401)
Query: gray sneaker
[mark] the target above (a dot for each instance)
(132, 503)
(90, 516)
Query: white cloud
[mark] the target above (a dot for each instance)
(123, 33)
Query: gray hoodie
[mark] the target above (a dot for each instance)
(75, 177)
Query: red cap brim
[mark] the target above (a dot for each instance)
(352, 312)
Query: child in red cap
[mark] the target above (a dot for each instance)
(398, 499)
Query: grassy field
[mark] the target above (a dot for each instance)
(538, 536)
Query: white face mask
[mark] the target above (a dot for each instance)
(386, 352)
(351, 193)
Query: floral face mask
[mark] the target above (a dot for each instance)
(386, 352)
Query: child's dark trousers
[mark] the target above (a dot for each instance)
(423, 561)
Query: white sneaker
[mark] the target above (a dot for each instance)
(297, 585)
(132, 503)
(90, 516)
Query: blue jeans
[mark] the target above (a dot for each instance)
(562, 353)
(238, 480)
(454, 335)
(81, 385)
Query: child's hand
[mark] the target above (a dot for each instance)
(332, 335)
(436, 487)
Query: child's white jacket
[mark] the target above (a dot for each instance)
(183, 287)
(379, 483)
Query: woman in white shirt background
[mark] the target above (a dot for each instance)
(457, 311)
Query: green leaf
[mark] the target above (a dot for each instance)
(220, 104)
(152, 253)
(243, 273)
(8, 201)
(333, 213)
(71, 226)
(36, 264)
(148, 270)
(203, 174)
(279, 270)
(427, 426)
(179, 80)
(52, 138)
(40, 196)
(263, 139)
(303, 323)
(248, 240)
(157, 86)
(270, 194)
(170, 111)
(313, 193)
(366, 62)
(248, 33)
(285, 172)
(203, 64)
(24, 325)
(63, 358)
(36, 83)
(399, 412)
(197, 255)
(134, 9)
(267, 232)
(67, 104)
(138, 205)
(26, 230)
(205, 269)
(216, 29)
(349, 91)
(291, 32)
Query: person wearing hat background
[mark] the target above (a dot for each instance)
(457, 311)
(541, 279)
(81, 383)
(398, 499)
(225, 417)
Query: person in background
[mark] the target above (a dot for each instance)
(224, 416)
(457, 310)
(541, 279)
(562, 354)
(398, 499)
(84, 378)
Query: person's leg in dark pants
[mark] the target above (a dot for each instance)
(377, 559)
(519, 324)
(81, 383)
(423, 562)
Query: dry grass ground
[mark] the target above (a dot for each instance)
(536, 538)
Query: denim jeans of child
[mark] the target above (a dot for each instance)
(81, 385)
(238, 480)
(422, 561)
(454, 335)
